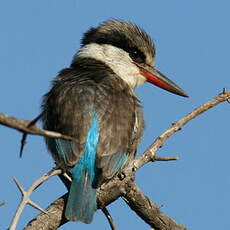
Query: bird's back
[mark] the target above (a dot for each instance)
(86, 89)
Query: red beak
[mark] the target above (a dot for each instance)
(157, 78)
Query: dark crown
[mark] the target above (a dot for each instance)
(126, 36)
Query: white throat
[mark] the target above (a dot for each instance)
(117, 59)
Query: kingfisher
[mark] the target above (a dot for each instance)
(94, 102)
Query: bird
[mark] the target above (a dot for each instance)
(93, 101)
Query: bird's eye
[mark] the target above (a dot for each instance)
(133, 53)
(136, 55)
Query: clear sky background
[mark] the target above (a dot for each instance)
(39, 38)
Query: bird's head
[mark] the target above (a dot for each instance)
(128, 51)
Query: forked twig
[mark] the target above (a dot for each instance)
(26, 195)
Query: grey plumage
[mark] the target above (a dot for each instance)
(68, 109)
(94, 102)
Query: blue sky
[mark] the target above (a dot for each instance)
(39, 38)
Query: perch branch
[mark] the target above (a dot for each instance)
(147, 210)
(117, 186)
(107, 194)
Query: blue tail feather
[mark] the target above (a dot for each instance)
(115, 163)
(81, 203)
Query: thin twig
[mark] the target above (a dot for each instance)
(23, 141)
(149, 154)
(109, 218)
(2, 203)
(157, 158)
(26, 195)
(21, 125)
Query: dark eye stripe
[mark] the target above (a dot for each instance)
(136, 55)
(117, 39)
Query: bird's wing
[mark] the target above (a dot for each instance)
(68, 109)
(116, 115)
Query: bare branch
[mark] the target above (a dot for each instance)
(149, 154)
(26, 195)
(147, 210)
(120, 185)
(22, 126)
